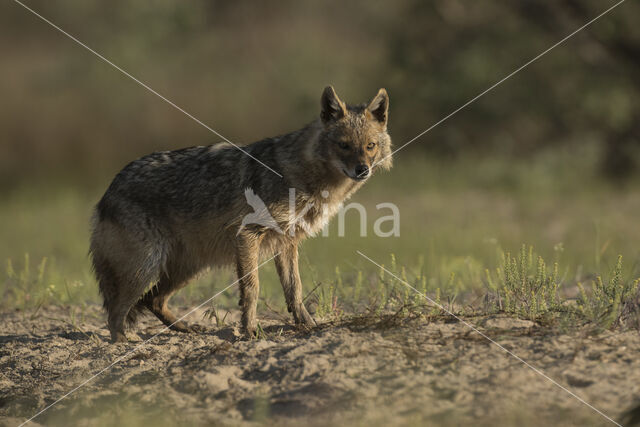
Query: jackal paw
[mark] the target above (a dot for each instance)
(250, 333)
(197, 328)
(187, 328)
(303, 318)
(250, 328)
(118, 338)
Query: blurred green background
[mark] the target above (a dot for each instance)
(548, 158)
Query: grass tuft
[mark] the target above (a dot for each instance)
(606, 302)
(524, 286)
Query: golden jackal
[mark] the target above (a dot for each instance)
(169, 215)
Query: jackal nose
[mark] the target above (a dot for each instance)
(362, 172)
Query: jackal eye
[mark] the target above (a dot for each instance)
(343, 145)
(371, 145)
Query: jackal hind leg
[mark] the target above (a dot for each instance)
(118, 310)
(157, 299)
(116, 320)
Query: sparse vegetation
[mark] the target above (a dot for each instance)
(525, 286)
(604, 302)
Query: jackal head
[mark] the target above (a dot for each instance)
(355, 137)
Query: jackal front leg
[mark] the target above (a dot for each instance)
(287, 266)
(247, 251)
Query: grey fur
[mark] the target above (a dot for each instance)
(170, 214)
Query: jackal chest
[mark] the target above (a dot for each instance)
(309, 216)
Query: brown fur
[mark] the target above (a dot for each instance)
(168, 215)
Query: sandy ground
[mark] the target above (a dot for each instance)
(400, 372)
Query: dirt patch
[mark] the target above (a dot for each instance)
(407, 372)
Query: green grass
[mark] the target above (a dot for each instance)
(459, 220)
(523, 285)
(612, 302)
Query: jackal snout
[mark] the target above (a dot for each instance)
(362, 171)
(359, 172)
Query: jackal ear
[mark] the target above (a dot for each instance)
(379, 107)
(332, 107)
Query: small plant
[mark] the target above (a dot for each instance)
(436, 305)
(212, 313)
(393, 293)
(381, 294)
(525, 288)
(607, 300)
(357, 288)
(328, 298)
(28, 288)
(26, 285)
(260, 333)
